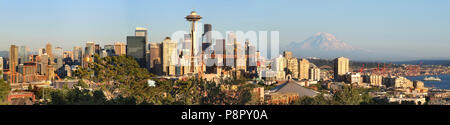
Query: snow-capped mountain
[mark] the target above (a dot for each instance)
(326, 45)
(323, 41)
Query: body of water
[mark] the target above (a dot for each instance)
(444, 84)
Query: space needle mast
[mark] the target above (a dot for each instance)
(193, 18)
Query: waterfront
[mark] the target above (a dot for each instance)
(444, 84)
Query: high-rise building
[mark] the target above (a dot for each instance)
(1, 67)
(141, 31)
(48, 50)
(13, 63)
(250, 54)
(136, 48)
(23, 54)
(238, 57)
(303, 69)
(278, 66)
(77, 55)
(155, 58)
(43, 65)
(58, 55)
(293, 67)
(120, 48)
(169, 56)
(220, 52)
(292, 64)
(206, 46)
(207, 33)
(29, 72)
(341, 67)
(89, 52)
(314, 72)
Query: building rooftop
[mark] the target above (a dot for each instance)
(293, 87)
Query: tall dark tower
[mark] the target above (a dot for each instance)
(207, 40)
(136, 46)
(193, 18)
(207, 28)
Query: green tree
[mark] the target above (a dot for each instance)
(348, 96)
(5, 88)
(81, 84)
(317, 100)
(30, 87)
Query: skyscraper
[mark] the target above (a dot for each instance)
(341, 67)
(90, 48)
(58, 55)
(120, 48)
(250, 54)
(136, 48)
(221, 51)
(207, 31)
(48, 50)
(89, 51)
(13, 63)
(303, 69)
(155, 58)
(77, 55)
(1, 67)
(43, 63)
(23, 54)
(169, 54)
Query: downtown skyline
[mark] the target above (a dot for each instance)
(404, 28)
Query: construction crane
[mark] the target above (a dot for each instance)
(378, 68)
(389, 69)
(362, 69)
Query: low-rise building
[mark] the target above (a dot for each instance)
(287, 93)
(374, 80)
(398, 82)
(353, 78)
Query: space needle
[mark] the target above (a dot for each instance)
(193, 18)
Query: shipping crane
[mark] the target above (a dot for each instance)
(362, 69)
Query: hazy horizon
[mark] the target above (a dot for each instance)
(417, 29)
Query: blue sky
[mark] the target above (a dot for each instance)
(416, 28)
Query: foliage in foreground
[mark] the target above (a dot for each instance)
(127, 83)
(4, 91)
